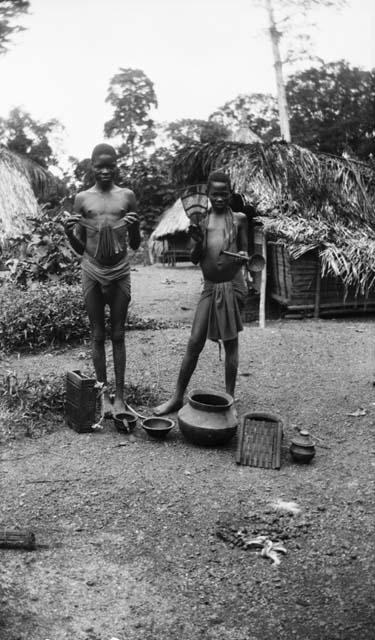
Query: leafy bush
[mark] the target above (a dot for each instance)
(35, 397)
(49, 314)
(44, 254)
(41, 316)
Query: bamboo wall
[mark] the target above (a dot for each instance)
(298, 287)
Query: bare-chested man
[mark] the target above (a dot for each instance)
(104, 217)
(217, 316)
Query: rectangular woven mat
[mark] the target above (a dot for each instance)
(259, 441)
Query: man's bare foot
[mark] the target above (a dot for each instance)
(105, 405)
(118, 407)
(174, 404)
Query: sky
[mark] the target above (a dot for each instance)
(198, 53)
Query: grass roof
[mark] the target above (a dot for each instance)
(21, 183)
(304, 199)
(173, 220)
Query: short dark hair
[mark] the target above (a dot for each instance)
(103, 149)
(218, 176)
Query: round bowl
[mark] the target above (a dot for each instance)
(157, 427)
(130, 418)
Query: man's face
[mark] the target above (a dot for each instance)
(104, 168)
(219, 195)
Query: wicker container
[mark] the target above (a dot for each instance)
(298, 286)
(80, 401)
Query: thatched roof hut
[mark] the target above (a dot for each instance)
(305, 200)
(22, 182)
(170, 241)
(173, 221)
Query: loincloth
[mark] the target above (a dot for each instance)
(94, 273)
(108, 243)
(227, 298)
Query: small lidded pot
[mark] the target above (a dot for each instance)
(302, 447)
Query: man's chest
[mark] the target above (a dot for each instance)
(108, 206)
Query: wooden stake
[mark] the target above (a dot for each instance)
(263, 285)
(317, 291)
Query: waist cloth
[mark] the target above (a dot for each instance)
(108, 243)
(227, 299)
(94, 273)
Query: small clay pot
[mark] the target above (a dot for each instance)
(302, 448)
(129, 425)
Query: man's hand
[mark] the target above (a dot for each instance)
(195, 232)
(131, 218)
(70, 223)
(242, 257)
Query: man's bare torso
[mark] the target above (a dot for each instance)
(100, 208)
(216, 266)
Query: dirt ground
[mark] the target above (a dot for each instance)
(127, 535)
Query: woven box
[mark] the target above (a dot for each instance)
(80, 401)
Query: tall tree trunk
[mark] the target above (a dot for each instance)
(281, 93)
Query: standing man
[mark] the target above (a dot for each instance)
(217, 316)
(104, 219)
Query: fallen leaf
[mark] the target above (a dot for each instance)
(357, 414)
(288, 506)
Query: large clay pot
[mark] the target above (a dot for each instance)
(208, 418)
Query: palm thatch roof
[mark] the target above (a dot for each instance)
(21, 183)
(304, 199)
(173, 220)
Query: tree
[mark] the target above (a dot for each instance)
(282, 15)
(332, 108)
(187, 130)
(257, 111)
(150, 179)
(83, 174)
(9, 10)
(131, 93)
(22, 134)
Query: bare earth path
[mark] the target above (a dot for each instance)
(128, 545)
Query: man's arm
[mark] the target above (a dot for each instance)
(76, 234)
(242, 237)
(196, 234)
(133, 222)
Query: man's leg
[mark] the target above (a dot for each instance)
(95, 304)
(118, 303)
(194, 347)
(231, 365)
